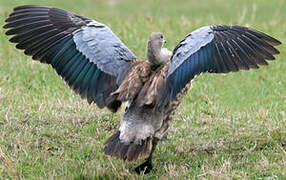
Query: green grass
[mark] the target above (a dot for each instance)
(228, 126)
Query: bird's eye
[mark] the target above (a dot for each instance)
(161, 36)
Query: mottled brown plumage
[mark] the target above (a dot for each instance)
(137, 76)
(148, 93)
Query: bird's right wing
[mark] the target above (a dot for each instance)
(85, 53)
(215, 49)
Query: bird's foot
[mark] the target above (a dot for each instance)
(146, 167)
(164, 137)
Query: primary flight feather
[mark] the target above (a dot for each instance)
(94, 62)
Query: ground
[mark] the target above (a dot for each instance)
(228, 127)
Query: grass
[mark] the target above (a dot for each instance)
(228, 127)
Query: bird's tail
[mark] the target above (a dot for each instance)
(130, 152)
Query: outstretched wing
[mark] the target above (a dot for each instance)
(215, 49)
(85, 53)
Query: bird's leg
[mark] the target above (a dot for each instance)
(147, 166)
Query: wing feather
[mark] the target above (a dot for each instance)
(215, 49)
(86, 54)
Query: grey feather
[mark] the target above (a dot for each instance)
(97, 42)
(191, 44)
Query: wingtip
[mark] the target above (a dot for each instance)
(9, 32)
(21, 7)
(6, 26)
(274, 42)
(271, 40)
(278, 52)
(278, 43)
(7, 20)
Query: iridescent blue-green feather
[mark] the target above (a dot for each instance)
(70, 53)
(99, 99)
(79, 80)
(71, 62)
(92, 86)
(87, 80)
(75, 70)
(54, 50)
(68, 46)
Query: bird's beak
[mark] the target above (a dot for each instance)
(164, 41)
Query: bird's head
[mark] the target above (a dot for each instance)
(156, 54)
(157, 40)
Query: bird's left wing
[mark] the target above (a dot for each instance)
(85, 53)
(215, 49)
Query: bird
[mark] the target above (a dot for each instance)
(98, 66)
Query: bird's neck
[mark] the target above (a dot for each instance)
(153, 54)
